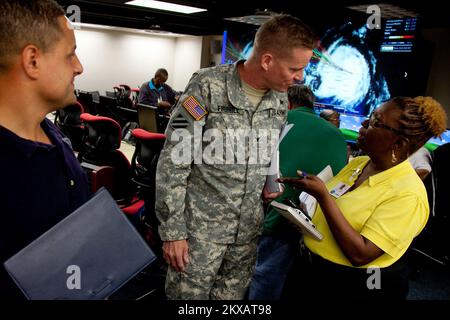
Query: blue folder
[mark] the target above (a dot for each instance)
(87, 256)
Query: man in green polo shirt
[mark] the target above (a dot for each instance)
(310, 145)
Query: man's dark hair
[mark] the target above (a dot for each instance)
(24, 22)
(301, 96)
(162, 72)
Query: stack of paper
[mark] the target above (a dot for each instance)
(307, 201)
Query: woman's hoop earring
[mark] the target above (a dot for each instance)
(394, 158)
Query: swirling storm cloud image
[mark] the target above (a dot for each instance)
(343, 73)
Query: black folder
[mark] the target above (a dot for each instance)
(87, 256)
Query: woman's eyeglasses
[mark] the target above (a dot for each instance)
(375, 122)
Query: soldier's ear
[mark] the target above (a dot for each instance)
(266, 61)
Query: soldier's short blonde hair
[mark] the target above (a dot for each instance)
(283, 33)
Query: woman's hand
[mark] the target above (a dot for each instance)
(268, 196)
(308, 183)
(358, 250)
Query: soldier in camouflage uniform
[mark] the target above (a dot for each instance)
(211, 210)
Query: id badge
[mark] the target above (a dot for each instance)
(339, 189)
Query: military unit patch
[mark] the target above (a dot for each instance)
(179, 122)
(194, 108)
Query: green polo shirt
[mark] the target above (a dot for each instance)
(310, 145)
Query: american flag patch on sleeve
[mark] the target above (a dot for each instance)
(194, 108)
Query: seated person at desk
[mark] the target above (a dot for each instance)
(370, 212)
(156, 92)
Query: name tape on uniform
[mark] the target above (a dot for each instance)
(229, 109)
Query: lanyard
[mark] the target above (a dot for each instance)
(341, 187)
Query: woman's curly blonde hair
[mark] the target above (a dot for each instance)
(422, 118)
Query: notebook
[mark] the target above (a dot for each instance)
(298, 218)
(87, 256)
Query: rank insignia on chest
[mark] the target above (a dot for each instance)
(194, 108)
(179, 122)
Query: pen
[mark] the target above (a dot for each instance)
(302, 173)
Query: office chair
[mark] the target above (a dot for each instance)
(69, 122)
(101, 143)
(143, 168)
(149, 284)
(434, 241)
(87, 100)
(135, 95)
(109, 107)
(125, 112)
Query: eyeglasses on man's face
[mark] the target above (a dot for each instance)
(375, 122)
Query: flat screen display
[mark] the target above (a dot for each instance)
(399, 35)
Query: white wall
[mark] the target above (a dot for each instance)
(112, 57)
(188, 51)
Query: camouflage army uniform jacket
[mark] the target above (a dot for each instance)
(215, 201)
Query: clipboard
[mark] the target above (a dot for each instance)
(298, 218)
(96, 240)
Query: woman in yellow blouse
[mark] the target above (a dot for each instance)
(372, 209)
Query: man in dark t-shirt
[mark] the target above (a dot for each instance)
(41, 180)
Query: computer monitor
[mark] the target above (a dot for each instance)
(354, 70)
(95, 97)
(344, 73)
(350, 125)
(351, 122)
(237, 44)
(110, 94)
(436, 142)
(399, 35)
